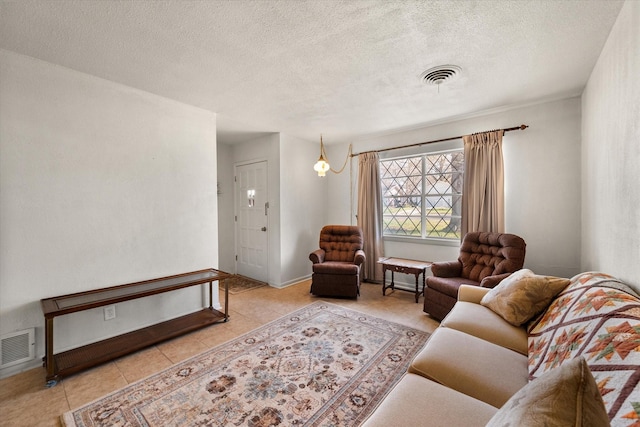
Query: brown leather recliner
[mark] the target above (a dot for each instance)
(336, 265)
(485, 259)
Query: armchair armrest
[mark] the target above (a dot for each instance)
(360, 257)
(317, 256)
(471, 293)
(492, 281)
(446, 269)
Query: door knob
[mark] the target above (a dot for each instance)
(263, 229)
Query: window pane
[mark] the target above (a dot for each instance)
(401, 194)
(404, 196)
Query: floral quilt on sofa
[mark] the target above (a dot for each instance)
(596, 316)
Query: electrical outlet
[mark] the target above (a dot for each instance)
(110, 312)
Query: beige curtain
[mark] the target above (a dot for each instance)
(483, 191)
(370, 214)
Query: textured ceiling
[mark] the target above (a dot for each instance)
(345, 69)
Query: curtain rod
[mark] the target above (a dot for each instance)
(521, 127)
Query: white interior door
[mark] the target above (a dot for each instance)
(252, 215)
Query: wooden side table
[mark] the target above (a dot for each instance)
(407, 266)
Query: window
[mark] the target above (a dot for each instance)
(422, 195)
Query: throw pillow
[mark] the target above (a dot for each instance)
(564, 396)
(522, 295)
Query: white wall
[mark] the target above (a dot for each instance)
(611, 154)
(226, 223)
(340, 191)
(542, 175)
(302, 207)
(100, 185)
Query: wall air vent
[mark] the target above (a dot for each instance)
(17, 347)
(441, 74)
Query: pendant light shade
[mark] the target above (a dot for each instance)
(322, 165)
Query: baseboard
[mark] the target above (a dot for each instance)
(21, 367)
(398, 284)
(292, 282)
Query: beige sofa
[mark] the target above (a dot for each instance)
(476, 361)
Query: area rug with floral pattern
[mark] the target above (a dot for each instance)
(322, 365)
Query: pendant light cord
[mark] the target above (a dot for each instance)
(349, 155)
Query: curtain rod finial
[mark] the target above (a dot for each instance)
(523, 127)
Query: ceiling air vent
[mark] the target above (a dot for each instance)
(441, 74)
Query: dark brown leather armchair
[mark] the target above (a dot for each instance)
(336, 265)
(485, 259)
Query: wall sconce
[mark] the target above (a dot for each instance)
(322, 165)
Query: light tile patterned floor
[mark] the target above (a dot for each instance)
(24, 401)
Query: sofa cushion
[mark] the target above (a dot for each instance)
(341, 242)
(597, 317)
(473, 366)
(565, 396)
(334, 267)
(522, 295)
(483, 323)
(485, 254)
(417, 401)
(448, 285)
